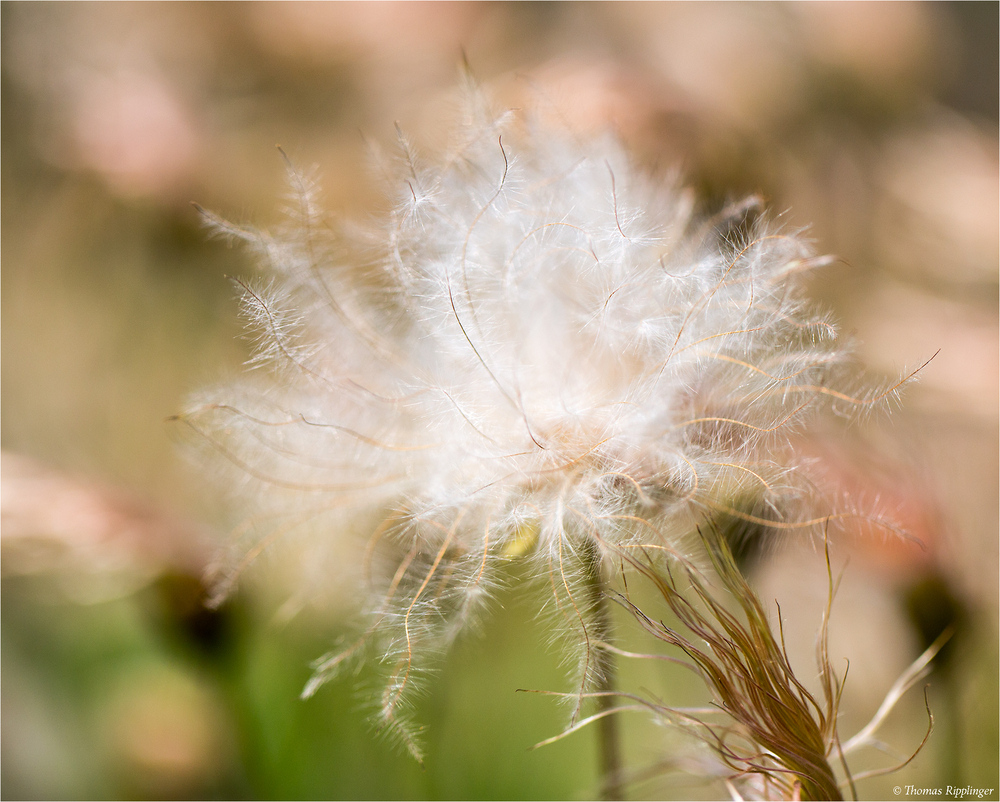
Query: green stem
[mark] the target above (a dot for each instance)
(608, 737)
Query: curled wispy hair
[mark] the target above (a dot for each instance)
(539, 352)
(773, 738)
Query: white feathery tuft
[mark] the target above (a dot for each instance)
(539, 353)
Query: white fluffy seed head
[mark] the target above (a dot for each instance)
(539, 353)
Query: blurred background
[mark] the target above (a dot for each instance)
(874, 123)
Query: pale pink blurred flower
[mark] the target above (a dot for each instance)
(98, 542)
(134, 130)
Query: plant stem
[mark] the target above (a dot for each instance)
(609, 744)
(608, 738)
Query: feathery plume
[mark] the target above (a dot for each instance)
(538, 353)
(772, 738)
